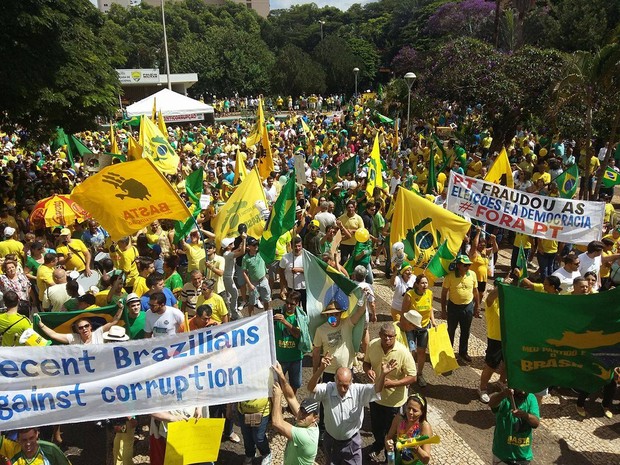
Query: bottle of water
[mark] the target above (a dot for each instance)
(391, 460)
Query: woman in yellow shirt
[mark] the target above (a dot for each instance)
(480, 254)
(420, 298)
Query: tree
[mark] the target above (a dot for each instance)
(338, 61)
(296, 73)
(56, 70)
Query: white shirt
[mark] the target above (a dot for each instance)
(55, 297)
(589, 264)
(344, 415)
(164, 324)
(325, 219)
(566, 278)
(289, 261)
(370, 297)
(400, 287)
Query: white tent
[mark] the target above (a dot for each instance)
(174, 107)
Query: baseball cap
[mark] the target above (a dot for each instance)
(309, 405)
(227, 241)
(464, 259)
(9, 231)
(251, 241)
(65, 232)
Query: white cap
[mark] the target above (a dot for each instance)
(8, 231)
(227, 241)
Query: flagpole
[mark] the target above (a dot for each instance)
(163, 22)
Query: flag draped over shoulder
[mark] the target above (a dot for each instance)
(193, 189)
(281, 220)
(156, 147)
(61, 322)
(568, 181)
(501, 172)
(422, 226)
(260, 134)
(324, 285)
(243, 206)
(375, 173)
(611, 178)
(126, 197)
(571, 341)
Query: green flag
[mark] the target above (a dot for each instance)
(439, 265)
(281, 220)
(349, 166)
(522, 263)
(62, 322)
(611, 178)
(567, 182)
(431, 184)
(193, 188)
(385, 119)
(324, 285)
(571, 341)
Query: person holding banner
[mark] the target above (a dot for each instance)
(479, 255)
(460, 302)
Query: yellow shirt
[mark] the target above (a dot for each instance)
(217, 304)
(522, 240)
(354, 222)
(126, 260)
(423, 304)
(78, 255)
(609, 211)
(44, 279)
(139, 286)
(255, 406)
(461, 289)
(391, 397)
(195, 257)
(480, 266)
(492, 316)
(11, 246)
(548, 246)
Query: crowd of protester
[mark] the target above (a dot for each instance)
(158, 281)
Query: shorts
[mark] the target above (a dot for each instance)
(294, 372)
(482, 286)
(418, 338)
(262, 291)
(273, 271)
(493, 356)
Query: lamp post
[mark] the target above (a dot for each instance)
(409, 78)
(356, 72)
(163, 22)
(321, 22)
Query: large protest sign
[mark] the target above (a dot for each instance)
(63, 384)
(564, 220)
(559, 340)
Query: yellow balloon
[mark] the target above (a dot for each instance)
(441, 177)
(362, 235)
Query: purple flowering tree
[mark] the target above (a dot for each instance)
(472, 18)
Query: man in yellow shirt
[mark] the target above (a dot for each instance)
(348, 223)
(75, 254)
(460, 302)
(124, 255)
(10, 245)
(45, 273)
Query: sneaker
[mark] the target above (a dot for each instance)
(375, 457)
(581, 411)
(259, 304)
(421, 381)
(607, 412)
(484, 397)
(266, 459)
(234, 437)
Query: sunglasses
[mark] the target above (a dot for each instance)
(80, 328)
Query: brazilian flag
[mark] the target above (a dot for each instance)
(567, 182)
(611, 178)
(346, 167)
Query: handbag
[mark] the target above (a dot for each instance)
(252, 419)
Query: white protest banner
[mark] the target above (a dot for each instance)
(563, 220)
(65, 384)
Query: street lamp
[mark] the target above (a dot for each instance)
(356, 71)
(163, 22)
(321, 23)
(409, 78)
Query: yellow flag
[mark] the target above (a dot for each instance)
(501, 172)
(375, 172)
(260, 134)
(128, 196)
(243, 206)
(157, 148)
(134, 149)
(423, 226)
(396, 142)
(240, 171)
(304, 126)
(154, 115)
(113, 143)
(161, 124)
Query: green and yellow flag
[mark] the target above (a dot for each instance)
(242, 207)
(282, 219)
(161, 124)
(134, 149)
(501, 171)
(325, 285)
(240, 170)
(611, 178)
(422, 226)
(568, 181)
(571, 341)
(157, 148)
(126, 197)
(193, 189)
(375, 173)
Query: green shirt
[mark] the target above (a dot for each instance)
(512, 439)
(174, 282)
(286, 343)
(254, 266)
(302, 447)
(32, 264)
(136, 326)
